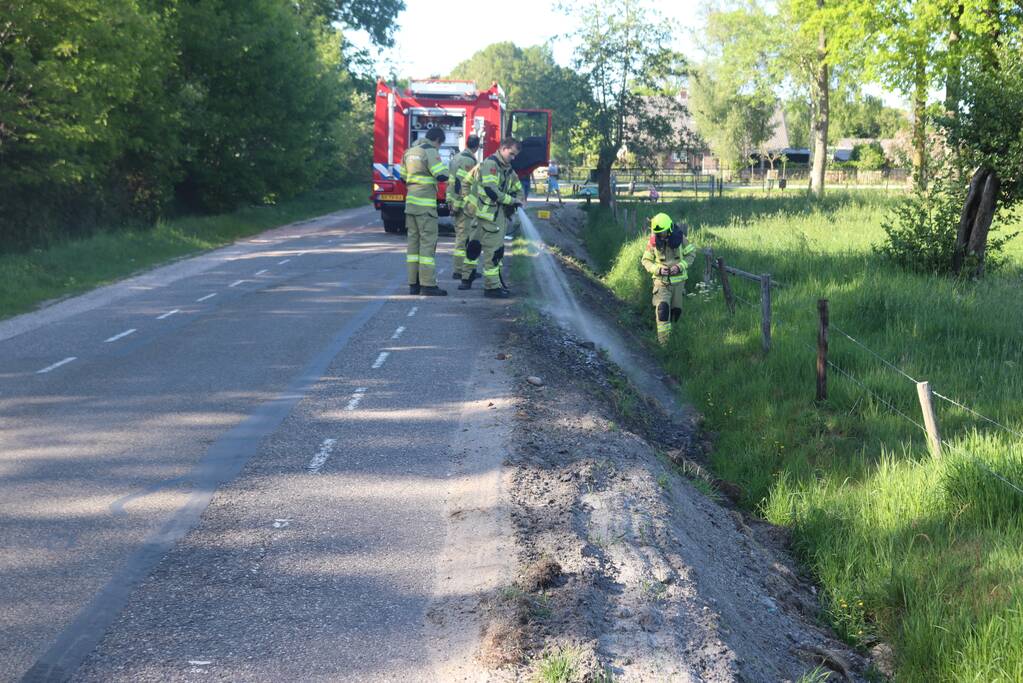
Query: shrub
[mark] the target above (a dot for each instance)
(869, 157)
(922, 231)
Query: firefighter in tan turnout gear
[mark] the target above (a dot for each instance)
(460, 171)
(422, 169)
(667, 258)
(494, 197)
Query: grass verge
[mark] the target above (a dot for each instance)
(925, 554)
(72, 267)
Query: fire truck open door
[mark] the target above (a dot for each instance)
(532, 127)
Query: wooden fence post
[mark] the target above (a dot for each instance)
(725, 287)
(765, 310)
(822, 350)
(923, 392)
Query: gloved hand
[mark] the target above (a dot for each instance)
(664, 271)
(509, 210)
(674, 270)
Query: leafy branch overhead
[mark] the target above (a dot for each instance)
(375, 17)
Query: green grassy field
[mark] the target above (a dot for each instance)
(921, 553)
(28, 279)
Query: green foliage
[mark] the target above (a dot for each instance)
(76, 120)
(260, 100)
(122, 110)
(375, 17)
(856, 115)
(557, 666)
(987, 131)
(732, 97)
(734, 122)
(532, 80)
(921, 231)
(797, 120)
(925, 554)
(869, 157)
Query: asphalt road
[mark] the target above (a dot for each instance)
(234, 467)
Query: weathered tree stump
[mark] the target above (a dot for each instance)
(975, 220)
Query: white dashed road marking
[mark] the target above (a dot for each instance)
(236, 283)
(353, 403)
(122, 335)
(413, 311)
(321, 456)
(261, 272)
(169, 314)
(380, 359)
(397, 333)
(53, 367)
(208, 296)
(281, 523)
(281, 263)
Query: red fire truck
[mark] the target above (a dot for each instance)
(460, 110)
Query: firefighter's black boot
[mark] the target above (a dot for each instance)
(466, 284)
(413, 289)
(433, 291)
(456, 276)
(497, 293)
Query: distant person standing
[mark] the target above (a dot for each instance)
(459, 171)
(553, 173)
(422, 169)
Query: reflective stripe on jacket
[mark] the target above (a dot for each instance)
(655, 258)
(420, 167)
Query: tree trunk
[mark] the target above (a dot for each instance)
(821, 112)
(982, 226)
(975, 220)
(920, 126)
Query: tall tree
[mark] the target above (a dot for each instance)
(622, 53)
(531, 80)
(259, 98)
(734, 122)
(817, 37)
(732, 95)
(909, 58)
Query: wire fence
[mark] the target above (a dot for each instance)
(902, 373)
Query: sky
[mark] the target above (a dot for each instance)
(425, 47)
(420, 51)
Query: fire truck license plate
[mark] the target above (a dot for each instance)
(392, 197)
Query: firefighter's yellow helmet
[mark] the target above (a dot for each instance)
(661, 223)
